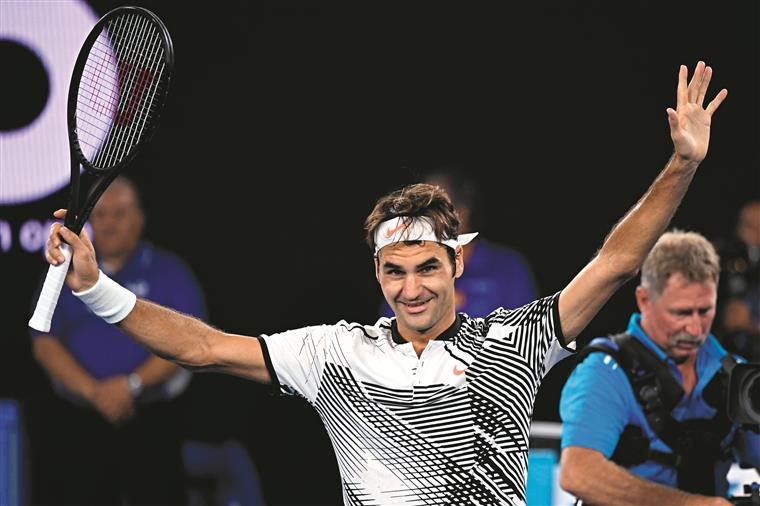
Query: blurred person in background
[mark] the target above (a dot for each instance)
(496, 275)
(739, 288)
(644, 412)
(113, 435)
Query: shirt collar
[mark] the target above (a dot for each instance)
(446, 335)
(138, 257)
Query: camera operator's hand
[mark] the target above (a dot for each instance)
(710, 501)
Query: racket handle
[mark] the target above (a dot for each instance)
(43, 313)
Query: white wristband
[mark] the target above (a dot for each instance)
(108, 299)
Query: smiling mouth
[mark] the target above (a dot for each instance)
(416, 306)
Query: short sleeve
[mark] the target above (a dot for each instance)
(296, 358)
(530, 330)
(595, 404)
(557, 352)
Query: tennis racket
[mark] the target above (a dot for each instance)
(117, 92)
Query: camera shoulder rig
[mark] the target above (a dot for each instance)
(696, 443)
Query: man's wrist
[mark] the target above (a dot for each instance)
(678, 162)
(108, 299)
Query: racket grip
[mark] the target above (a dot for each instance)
(51, 289)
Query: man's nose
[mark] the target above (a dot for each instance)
(412, 287)
(694, 324)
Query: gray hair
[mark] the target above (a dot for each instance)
(687, 253)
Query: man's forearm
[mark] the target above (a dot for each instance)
(625, 248)
(588, 475)
(631, 239)
(61, 365)
(170, 335)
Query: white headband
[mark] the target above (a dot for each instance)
(404, 228)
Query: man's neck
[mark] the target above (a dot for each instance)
(420, 339)
(113, 263)
(688, 372)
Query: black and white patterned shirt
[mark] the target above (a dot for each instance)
(448, 427)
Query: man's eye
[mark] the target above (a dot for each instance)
(428, 268)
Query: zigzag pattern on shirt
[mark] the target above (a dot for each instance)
(439, 439)
(388, 446)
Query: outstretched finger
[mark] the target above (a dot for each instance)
(672, 120)
(719, 98)
(60, 213)
(703, 85)
(682, 92)
(696, 81)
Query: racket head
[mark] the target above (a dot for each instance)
(118, 89)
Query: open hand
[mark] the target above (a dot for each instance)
(690, 122)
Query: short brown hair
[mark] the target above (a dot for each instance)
(687, 253)
(414, 201)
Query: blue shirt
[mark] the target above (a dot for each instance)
(494, 276)
(598, 402)
(102, 349)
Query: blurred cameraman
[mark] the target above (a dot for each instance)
(739, 287)
(644, 412)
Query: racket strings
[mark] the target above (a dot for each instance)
(117, 92)
(137, 49)
(135, 53)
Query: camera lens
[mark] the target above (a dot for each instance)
(754, 393)
(751, 394)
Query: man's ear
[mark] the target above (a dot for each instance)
(459, 262)
(377, 268)
(643, 298)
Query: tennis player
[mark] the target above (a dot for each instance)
(429, 407)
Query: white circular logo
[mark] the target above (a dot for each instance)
(34, 159)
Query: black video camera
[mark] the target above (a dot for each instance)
(751, 499)
(743, 392)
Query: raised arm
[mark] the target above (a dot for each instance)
(627, 245)
(179, 338)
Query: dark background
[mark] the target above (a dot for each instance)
(287, 121)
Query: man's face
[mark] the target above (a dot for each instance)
(748, 228)
(679, 319)
(117, 221)
(418, 283)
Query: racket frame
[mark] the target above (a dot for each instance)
(77, 215)
(75, 220)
